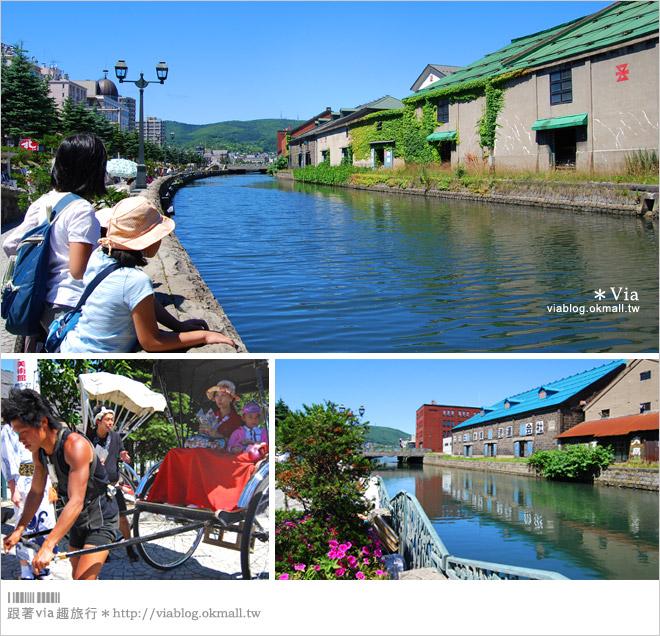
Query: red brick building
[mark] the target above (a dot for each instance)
(435, 421)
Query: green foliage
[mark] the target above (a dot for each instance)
(641, 163)
(577, 462)
(152, 440)
(324, 173)
(324, 465)
(460, 171)
(27, 108)
(384, 436)
(111, 198)
(281, 163)
(487, 125)
(259, 135)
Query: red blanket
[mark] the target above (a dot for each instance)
(201, 476)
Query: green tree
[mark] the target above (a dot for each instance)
(59, 386)
(27, 108)
(324, 469)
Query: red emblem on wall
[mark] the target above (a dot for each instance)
(622, 73)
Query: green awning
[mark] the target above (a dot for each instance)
(560, 122)
(450, 135)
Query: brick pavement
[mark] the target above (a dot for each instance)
(208, 562)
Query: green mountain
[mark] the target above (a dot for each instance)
(258, 135)
(382, 435)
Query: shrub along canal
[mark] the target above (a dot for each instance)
(301, 268)
(579, 530)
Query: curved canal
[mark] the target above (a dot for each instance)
(578, 530)
(302, 268)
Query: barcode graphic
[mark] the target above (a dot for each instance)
(32, 597)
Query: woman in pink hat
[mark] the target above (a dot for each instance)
(122, 311)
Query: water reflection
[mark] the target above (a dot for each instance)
(310, 269)
(579, 530)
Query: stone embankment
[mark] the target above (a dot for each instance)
(604, 198)
(618, 476)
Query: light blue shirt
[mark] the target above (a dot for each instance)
(106, 324)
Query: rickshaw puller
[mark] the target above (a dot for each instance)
(90, 514)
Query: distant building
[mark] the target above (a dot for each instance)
(103, 96)
(329, 139)
(435, 421)
(155, 131)
(7, 382)
(63, 88)
(128, 120)
(431, 74)
(518, 425)
(624, 415)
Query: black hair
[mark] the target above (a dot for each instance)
(29, 408)
(126, 258)
(80, 164)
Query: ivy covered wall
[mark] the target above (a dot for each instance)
(409, 127)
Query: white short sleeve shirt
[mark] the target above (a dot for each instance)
(76, 224)
(106, 324)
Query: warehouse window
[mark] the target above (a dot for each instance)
(561, 87)
(443, 111)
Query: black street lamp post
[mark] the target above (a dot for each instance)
(161, 72)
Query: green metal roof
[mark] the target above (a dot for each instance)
(618, 23)
(449, 135)
(561, 122)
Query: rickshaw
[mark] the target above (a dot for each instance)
(167, 535)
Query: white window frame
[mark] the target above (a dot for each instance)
(540, 427)
(481, 435)
(528, 429)
(500, 433)
(509, 431)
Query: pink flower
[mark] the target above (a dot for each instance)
(283, 577)
(360, 575)
(352, 561)
(317, 568)
(333, 543)
(378, 553)
(365, 561)
(365, 550)
(340, 571)
(299, 566)
(380, 572)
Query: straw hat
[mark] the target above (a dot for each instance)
(133, 224)
(225, 386)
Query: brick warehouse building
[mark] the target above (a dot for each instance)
(435, 421)
(520, 424)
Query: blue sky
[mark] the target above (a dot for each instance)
(391, 391)
(255, 60)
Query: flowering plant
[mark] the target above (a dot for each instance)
(307, 549)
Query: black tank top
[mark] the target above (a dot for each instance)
(97, 482)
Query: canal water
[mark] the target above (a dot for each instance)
(302, 268)
(578, 530)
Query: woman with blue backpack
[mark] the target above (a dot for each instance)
(77, 176)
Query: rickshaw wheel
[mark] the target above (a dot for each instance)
(254, 538)
(166, 553)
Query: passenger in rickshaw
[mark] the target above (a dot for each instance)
(90, 515)
(109, 448)
(218, 424)
(250, 435)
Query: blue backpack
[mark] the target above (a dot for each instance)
(24, 296)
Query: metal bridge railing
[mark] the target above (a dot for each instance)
(421, 547)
